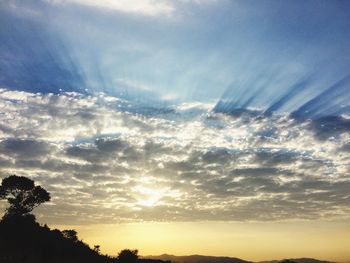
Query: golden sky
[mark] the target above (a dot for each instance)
(327, 240)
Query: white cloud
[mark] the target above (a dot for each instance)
(143, 7)
(184, 163)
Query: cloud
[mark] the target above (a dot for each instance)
(142, 7)
(104, 159)
(24, 148)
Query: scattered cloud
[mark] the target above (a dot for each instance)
(143, 7)
(108, 160)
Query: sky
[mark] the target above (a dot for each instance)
(158, 124)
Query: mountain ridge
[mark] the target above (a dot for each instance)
(196, 258)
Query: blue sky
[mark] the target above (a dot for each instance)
(246, 53)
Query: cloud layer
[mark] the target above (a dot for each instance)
(107, 160)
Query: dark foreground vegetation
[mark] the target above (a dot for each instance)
(23, 240)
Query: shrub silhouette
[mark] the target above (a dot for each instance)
(70, 234)
(128, 256)
(97, 249)
(22, 195)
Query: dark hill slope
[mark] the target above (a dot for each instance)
(22, 240)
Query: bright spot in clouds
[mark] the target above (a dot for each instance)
(147, 196)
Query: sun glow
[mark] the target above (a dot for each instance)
(146, 196)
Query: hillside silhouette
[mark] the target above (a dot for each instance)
(23, 240)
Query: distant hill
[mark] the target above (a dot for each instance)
(211, 259)
(298, 260)
(198, 259)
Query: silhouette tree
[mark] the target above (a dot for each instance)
(128, 256)
(70, 234)
(97, 249)
(22, 195)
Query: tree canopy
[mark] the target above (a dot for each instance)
(128, 256)
(70, 234)
(22, 195)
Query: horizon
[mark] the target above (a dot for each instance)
(183, 126)
(135, 236)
